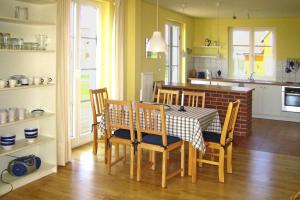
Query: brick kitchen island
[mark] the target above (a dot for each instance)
(218, 97)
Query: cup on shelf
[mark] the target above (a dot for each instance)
(21, 113)
(8, 140)
(12, 114)
(37, 112)
(3, 83)
(46, 80)
(12, 83)
(37, 80)
(24, 81)
(3, 116)
(31, 134)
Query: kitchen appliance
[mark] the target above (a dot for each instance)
(24, 165)
(290, 98)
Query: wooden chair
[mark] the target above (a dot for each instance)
(221, 142)
(194, 99)
(115, 112)
(157, 140)
(97, 97)
(157, 85)
(168, 96)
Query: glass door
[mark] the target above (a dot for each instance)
(172, 37)
(85, 64)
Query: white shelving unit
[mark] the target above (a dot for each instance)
(42, 20)
(208, 47)
(204, 56)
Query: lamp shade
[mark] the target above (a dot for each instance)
(157, 43)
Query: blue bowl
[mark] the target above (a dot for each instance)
(7, 143)
(7, 136)
(31, 133)
(31, 136)
(28, 130)
(8, 140)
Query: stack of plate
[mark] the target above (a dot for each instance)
(31, 134)
(8, 141)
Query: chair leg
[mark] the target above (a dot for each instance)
(116, 151)
(95, 142)
(139, 160)
(221, 164)
(190, 160)
(229, 159)
(124, 153)
(182, 159)
(153, 160)
(200, 157)
(105, 150)
(108, 164)
(131, 161)
(164, 169)
(194, 165)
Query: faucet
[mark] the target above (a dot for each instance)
(251, 76)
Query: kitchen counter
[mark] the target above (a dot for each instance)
(218, 97)
(241, 81)
(208, 87)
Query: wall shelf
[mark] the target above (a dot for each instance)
(39, 1)
(28, 119)
(17, 182)
(27, 22)
(26, 87)
(204, 56)
(26, 51)
(208, 47)
(24, 144)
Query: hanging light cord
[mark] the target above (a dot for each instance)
(157, 15)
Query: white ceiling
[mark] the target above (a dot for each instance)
(241, 8)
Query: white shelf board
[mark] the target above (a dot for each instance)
(25, 87)
(29, 118)
(204, 56)
(18, 51)
(39, 1)
(28, 22)
(24, 144)
(17, 182)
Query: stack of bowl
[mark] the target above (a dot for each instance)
(31, 134)
(8, 141)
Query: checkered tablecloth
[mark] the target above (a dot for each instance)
(186, 125)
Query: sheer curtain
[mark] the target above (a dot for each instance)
(118, 51)
(62, 71)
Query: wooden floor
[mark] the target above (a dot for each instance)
(256, 175)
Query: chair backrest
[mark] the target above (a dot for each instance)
(118, 115)
(151, 119)
(168, 96)
(193, 98)
(157, 85)
(229, 123)
(97, 97)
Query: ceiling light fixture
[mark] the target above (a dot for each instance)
(157, 43)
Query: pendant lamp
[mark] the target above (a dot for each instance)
(157, 43)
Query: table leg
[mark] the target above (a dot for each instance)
(190, 160)
(194, 165)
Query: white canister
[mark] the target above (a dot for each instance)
(21, 113)
(12, 83)
(11, 114)
(24, 81)
(3, 83)
(3, 116)
(36, 80)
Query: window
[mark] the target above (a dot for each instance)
(252, 51)
(84, 65)
(172, 37)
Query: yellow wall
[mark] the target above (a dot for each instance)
(287, 33)
(140, 22)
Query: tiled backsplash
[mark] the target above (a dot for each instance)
(215, 64)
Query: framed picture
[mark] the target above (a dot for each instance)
(149, 54)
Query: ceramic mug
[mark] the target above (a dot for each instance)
(11, 114)
(46, 80)
(37, 80)
(3, 83)
(21, 113)
(12, 83)
(3, 116)
(24, 81)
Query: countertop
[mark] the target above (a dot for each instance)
(208, 87)
(249, 82)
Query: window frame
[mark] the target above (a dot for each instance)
(252, 31)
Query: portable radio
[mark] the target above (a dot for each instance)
(24, 165)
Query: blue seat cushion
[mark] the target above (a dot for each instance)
(157, 139)
(209, 136)
(125, 134)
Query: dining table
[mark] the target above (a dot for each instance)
(187, 125)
